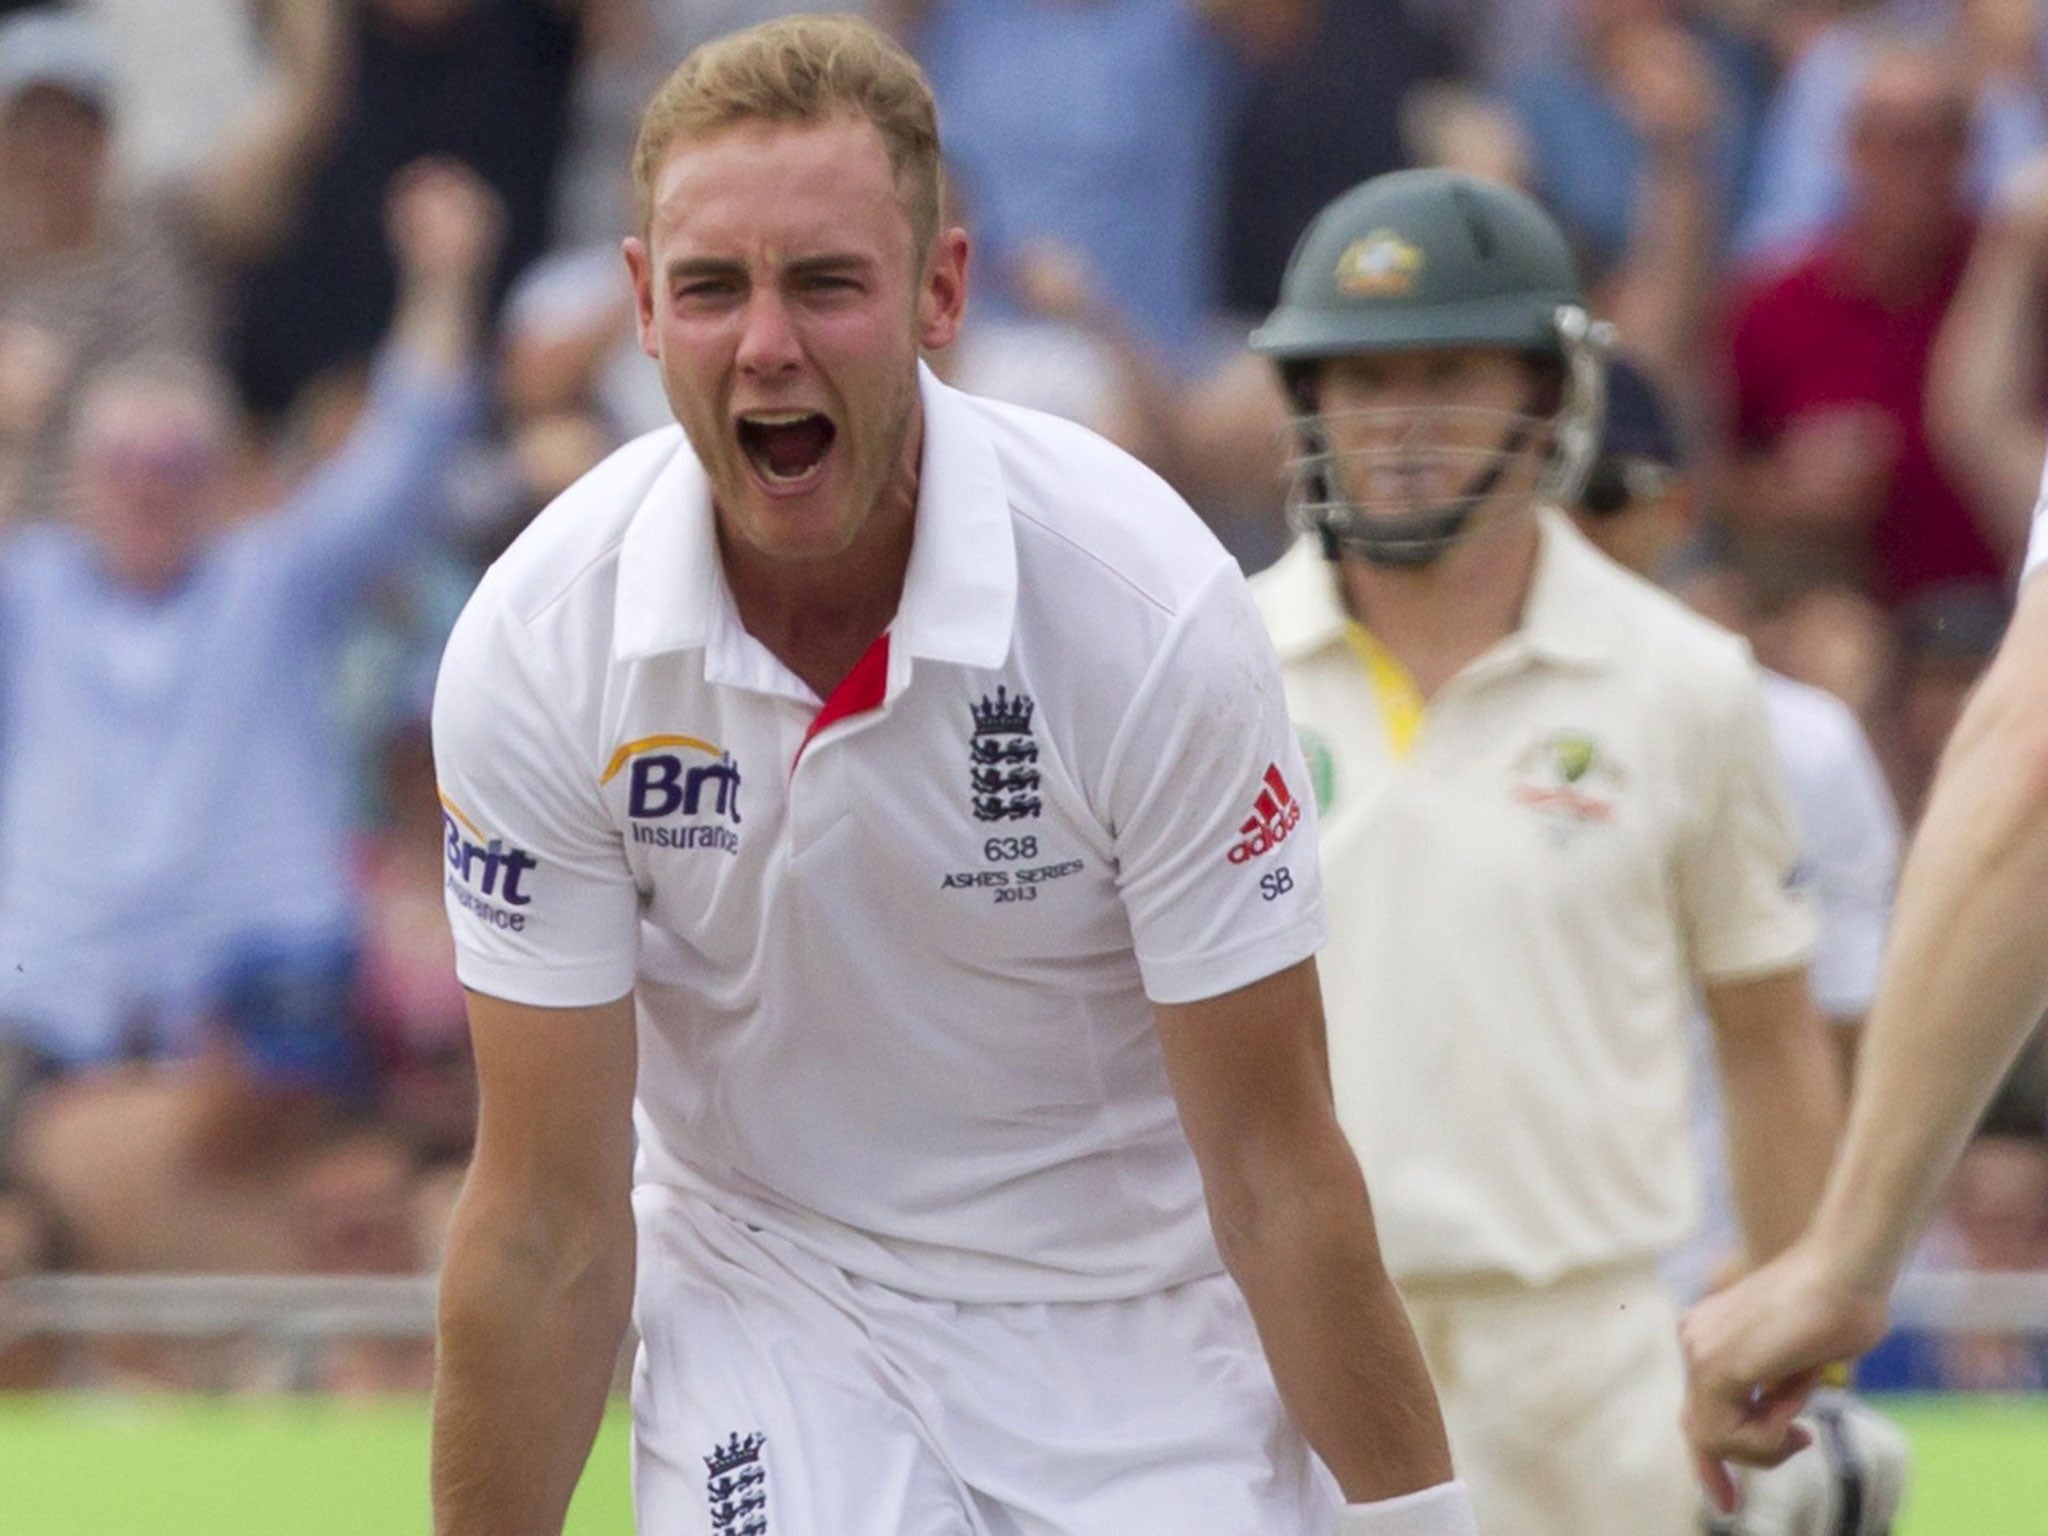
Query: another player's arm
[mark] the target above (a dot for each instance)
(1250, 1073)
(1965, 979)
(1781, 1082)
(538, 1282)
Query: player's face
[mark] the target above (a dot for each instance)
(1413, 431)
(782, 295)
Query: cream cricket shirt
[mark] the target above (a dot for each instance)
(894, 952)
(1586, 818)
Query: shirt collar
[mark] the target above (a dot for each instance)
(959, 594)
(1569, 617)
(1566, 619)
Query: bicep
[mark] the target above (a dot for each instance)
(555, 1100)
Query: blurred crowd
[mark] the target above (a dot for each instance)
(306, 306)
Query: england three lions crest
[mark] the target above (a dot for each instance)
(737, 1486)
(1002, 775)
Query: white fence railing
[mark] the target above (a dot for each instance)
(303, 1308)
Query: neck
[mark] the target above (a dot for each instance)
(820, 616)
(1438, 619)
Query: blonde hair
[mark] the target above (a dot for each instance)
(801, 70)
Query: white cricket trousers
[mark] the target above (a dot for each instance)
(776, 1395)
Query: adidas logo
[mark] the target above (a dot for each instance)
(1274, 815)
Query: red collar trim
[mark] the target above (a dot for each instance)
(862, 689)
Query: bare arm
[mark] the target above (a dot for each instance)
(1967, 974)
(1783, 1092)
(1659, 297)
(1965, 980)
(1984, 384)
(1251, 1075)
(538, 1281)
(242, 200)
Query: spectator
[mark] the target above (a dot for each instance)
(1582, 126)
(172, 806)
(1833, 638)
(1320, 112)
(91, 275)
(1833, 474)
(1802, 171)
(1946, 637)
(183, 73)
(1996, 1221)
(1098, 124)
(629, 48)
(483, 82)
(1986, 412)
(407, 998)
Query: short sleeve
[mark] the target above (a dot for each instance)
(2037, 536)
(544, 907)
(1213, 824)
(1852, 850)
(1743, 897)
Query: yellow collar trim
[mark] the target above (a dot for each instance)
(1400, 702)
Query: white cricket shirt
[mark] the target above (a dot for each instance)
(894, 952)
(1587, 819)
(2037, 535)
(1848, 863)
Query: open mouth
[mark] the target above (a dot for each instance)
(786, 448)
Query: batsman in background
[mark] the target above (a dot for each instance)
(1549, 810)
(882, 802)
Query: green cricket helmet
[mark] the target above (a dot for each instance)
(1434, 259)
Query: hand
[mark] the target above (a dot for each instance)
(1856, 1464)
(1666, 88)
(1055, 282)
(1755, 1351)
(309, 38)
(2021, 210)
(445, 225)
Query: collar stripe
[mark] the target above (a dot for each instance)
(862, 689)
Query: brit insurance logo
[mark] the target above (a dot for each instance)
(486, 875)
(681, 792)
(1004, 758)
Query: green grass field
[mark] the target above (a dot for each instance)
(178, 1467)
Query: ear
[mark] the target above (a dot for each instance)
(640, 268)
(942, 298)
